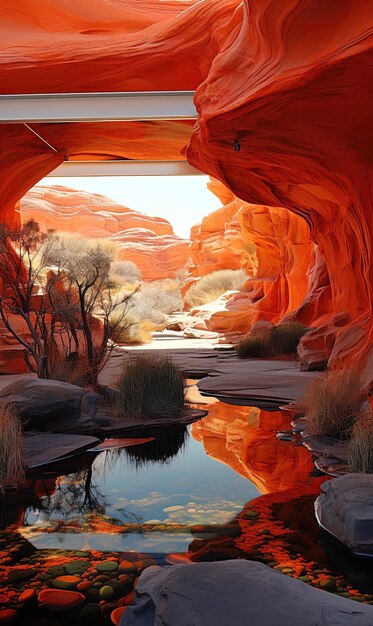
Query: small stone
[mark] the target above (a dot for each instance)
(92, 594)
(287, 570)
(89, 614)
(127, 566)
(21, 574)
(56, 570)
(66, 582)
(101, 579)
(84, 585)
(27, 596)
(81, 553)
(106, 592)
(8, 616)
(107, 566)
(117, 614)
(327, 584)
(76, 567)
(168, 509)
(304, 579)
(60, 600)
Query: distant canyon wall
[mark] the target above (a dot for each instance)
(147, 241)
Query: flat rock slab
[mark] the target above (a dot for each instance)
(236, 593)
(261, 382)
(137, 425)
(257, 380)
(45, 448)
(112, 444)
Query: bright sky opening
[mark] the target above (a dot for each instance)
(182, 200)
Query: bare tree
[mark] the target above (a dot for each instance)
(21, 269)
(60, 286)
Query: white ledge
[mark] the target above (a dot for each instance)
(97, 107)
(125, 168)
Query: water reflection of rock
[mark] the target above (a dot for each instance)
(244, 438)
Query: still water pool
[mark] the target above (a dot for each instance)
(171, 483)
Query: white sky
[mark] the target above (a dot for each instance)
(183, 200)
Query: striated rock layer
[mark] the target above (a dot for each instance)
(149, 242)
(284, 101)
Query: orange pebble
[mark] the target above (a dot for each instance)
(117, 614)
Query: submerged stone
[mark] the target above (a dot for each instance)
(107, 566)
(60, 600)
(66, 582)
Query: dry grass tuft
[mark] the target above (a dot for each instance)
(134, 332)
(333, 403)
(212, 286)
(150, 387)
(282, 340)
(70, 370)
(12, 462)
(360, 453)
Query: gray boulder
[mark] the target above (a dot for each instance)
(236, 593)
(42, 404)
(345, 509)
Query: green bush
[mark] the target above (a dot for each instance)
(280, 341)
(150, 387)
(212, 286)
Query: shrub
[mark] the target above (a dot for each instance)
(72, 368)
(286, 337)
(132, 329)
(256, 347)
(151, 387)
(360, 453)
(155, 301)
(12, 469)
(125, 272)
(212, 286)
(333, 402)
(280, 341)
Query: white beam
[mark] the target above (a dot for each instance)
(125, 168)
(97, 107)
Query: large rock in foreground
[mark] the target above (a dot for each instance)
(345, 509)
(42, 404)
(236, 593)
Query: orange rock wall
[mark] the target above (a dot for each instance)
(294, 92)
(274, 247)
(289, 82)
(149, 242)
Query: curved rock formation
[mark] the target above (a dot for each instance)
(284, 101)
(271, 243)
(149, 242)
(290, 129)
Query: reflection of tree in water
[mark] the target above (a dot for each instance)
(75, 495)
(167, 444)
